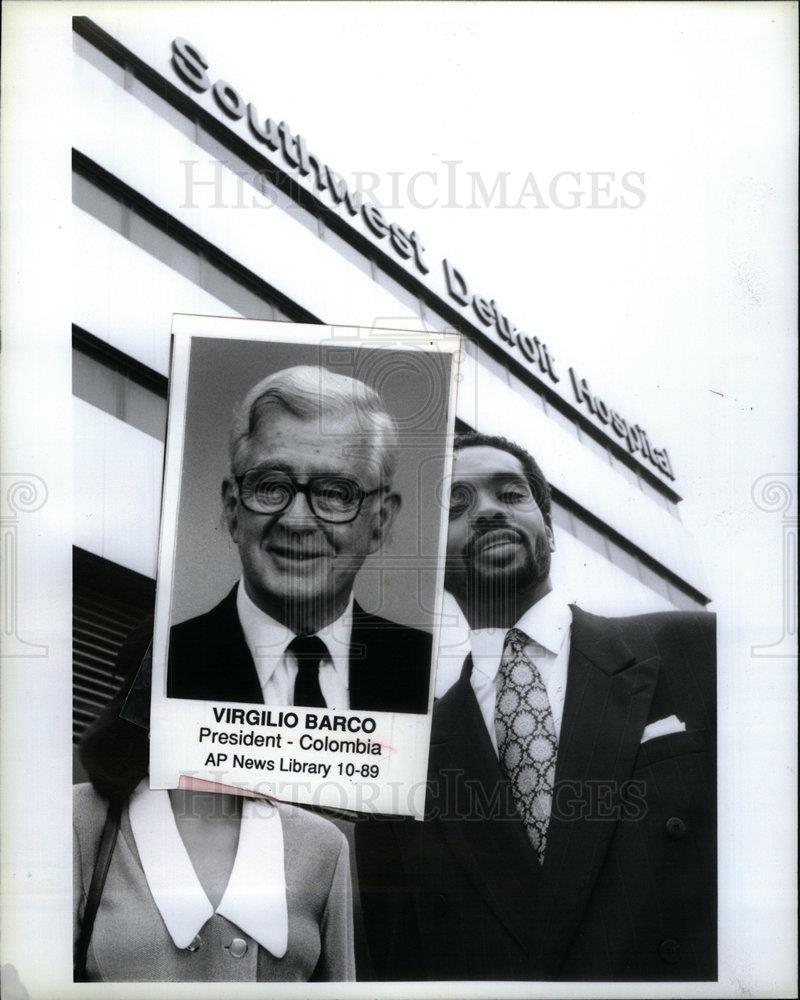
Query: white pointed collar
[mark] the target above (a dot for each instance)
(267, 639)
(547, 623)
(255, 898)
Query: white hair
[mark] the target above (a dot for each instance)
(310, 392)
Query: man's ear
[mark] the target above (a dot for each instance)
(551, 538)
(383, 519)
(230, 506)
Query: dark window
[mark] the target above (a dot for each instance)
(108, 603)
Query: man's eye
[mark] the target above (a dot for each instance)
(336, 493)
(269, 491)
(461, 499)
(514, 496)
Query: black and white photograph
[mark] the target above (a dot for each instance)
(399, 504)
(306, 464)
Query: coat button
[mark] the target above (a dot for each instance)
(195, 943)
(670, 950)
(676, 828)
(237, 947)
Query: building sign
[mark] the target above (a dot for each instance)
(489, 315)
(291, 154)
(634, 436)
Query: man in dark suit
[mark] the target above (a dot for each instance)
(308, 498)
(571, 811)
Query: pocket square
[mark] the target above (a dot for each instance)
(672, 724)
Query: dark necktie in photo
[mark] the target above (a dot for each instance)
(309, 651)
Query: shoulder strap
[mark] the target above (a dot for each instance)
(108, 839)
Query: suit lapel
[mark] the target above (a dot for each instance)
(234, 673)
(608, 697)
(363, 681)
(375, 681)
(473, 799)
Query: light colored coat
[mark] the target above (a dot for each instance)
(131, 943)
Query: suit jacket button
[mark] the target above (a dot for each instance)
(670, 950)
(440, 904)
(676, 828)
(237, 947)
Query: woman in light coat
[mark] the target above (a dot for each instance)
(204, 886)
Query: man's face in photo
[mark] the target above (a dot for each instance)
(298, 556)
(497, 537)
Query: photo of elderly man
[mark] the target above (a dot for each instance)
(308, 496)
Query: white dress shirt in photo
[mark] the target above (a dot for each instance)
(547, 624)
(277, 668)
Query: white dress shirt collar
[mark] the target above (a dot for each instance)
(547, 623)
(267, 639)
(255, 897)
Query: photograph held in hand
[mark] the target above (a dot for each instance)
(301, 561)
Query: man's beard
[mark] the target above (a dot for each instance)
(506, 589)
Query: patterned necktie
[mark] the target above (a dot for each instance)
(309, 651)
(526, 737)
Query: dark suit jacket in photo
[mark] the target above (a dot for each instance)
(628, 887)
(389, 663)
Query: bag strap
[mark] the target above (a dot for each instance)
(108, 839)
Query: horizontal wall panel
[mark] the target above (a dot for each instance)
(117, 489)
(126, 297)
(267, 241)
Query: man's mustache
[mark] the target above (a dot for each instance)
(480, 532)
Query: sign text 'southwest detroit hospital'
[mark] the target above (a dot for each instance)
(293, 157)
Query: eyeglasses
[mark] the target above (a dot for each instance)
(335, 499)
